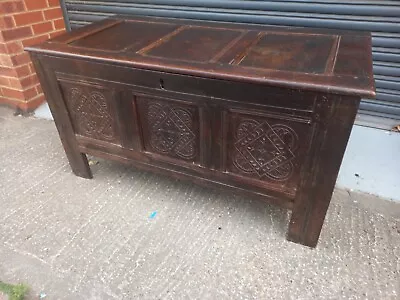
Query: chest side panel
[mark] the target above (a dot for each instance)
(251, 136)
(92, 110)
(170, 128)
(265, 148)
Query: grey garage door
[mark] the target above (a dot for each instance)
(382, 18)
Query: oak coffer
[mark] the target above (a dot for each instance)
(261, 110)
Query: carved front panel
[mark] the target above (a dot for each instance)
(267, 149)
(90, 110)
(170, 128)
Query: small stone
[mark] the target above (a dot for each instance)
(93, 162)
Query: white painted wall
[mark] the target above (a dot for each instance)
(43, 112)
(373, 154)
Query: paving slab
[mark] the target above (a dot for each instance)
(129, 234)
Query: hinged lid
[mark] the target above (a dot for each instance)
(312, 59)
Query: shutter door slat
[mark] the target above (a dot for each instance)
(389, 42)
(387, 84)
(330, 7)
(382, 18)
(385, 56)
(377, 108)
(381, 69)
(389, 95)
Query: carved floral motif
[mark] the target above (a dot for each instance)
(90, 113)
(265, 150)
(171, 130)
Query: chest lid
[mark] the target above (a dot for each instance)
(311, 59)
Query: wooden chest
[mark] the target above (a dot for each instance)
(261, 110)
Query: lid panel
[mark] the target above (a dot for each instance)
(349, 48)
(125, 35)
(299, 58)
(197, 44)
(291, 52)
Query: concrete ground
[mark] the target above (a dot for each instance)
(129, 234)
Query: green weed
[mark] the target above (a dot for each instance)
(14, 292)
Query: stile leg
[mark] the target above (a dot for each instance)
(79, 165)
(312, 200)
(309, 214)
(77, 160)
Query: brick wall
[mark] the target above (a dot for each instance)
(23, 23)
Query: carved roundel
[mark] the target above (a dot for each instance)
(91, 114)
(171, 130)
(265, 150)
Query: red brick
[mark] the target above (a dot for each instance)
(11, 93)
(30, 93)
(35, 40)
(33, 103)
(20, 59)
(10, 72)
(14, 83)
(4, 81)
(11, 102)
(5, 60)
(14, 47)
(8, 7)
(25, 106)
(35, 4)
(16, 33)
(29, 81)
(30, 17)
(22, 71)
(42, 28)
(3, 49)
(59, 24)
(39, 89)
(53, 13)
(53, 3)
(31, 68)
(6, 22)
(6, 100)
(56, 33)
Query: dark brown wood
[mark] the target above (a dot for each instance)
(261, 110)
(48, 81)
(337, 82)
(330, 137)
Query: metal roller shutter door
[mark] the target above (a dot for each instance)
(382, 18)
